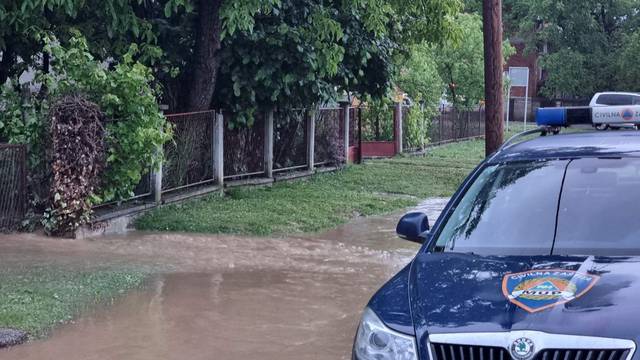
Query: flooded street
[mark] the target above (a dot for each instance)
(223, 297)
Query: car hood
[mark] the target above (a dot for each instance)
(457, 293)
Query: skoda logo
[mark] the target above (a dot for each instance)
(522, 349)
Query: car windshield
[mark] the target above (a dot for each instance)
(598, 211)
(618, 99)
(582, 206)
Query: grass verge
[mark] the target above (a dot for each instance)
(36, 299)
(325, 200)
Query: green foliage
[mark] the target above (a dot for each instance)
(416, 123)
(303, 53)
(587, 41)
(111, 25)
(238, 15)
(461, 63)
(415, 22)
(287, 60)
(278, 53)
(124, 93)
(22, 122)
(350, 42)
(419, 77)
(626, 70)
(377, 119)
(569, 76)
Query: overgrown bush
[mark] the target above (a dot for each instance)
(414, 128)
(123, 90)
(77, 136)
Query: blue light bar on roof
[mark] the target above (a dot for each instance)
(551, 116)
(607, 115)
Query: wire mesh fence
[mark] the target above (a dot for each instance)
(329, 143)
(456, 125)
(189, 156)
(244, 148)
(12, 185)
(143, 188)
(289, 140)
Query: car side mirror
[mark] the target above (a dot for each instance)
(412, 225)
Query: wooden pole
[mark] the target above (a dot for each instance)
(492, 23)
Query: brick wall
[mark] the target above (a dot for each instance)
(523, 59)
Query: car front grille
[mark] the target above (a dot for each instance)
(587, 354)
(466, 352)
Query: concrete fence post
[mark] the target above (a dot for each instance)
(345, 123)
(156, 180)
(218, 149)
(397, 122)
(268, 144)
(310, 118)
(156, 174)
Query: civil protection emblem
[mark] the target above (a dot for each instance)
(537, 290)
(627, 114)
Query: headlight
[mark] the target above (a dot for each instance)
(375, 341)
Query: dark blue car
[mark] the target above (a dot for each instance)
(537, 256)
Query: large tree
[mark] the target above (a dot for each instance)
(109, 24)
(326, 24)
(287, 62)
(183, 39)
(582, 42)
(461, 64)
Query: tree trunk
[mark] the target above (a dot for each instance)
(205, 63)
(492, 21)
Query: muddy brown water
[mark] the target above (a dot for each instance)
(223, 297)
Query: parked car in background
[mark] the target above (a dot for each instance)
(615, 99)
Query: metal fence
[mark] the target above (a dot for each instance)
(289, 140)
(189, 156)
(209, 148)
(13, 183)
(455, 125)
(329, 140)
(244, 148)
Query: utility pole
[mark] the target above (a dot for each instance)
(492, 23)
